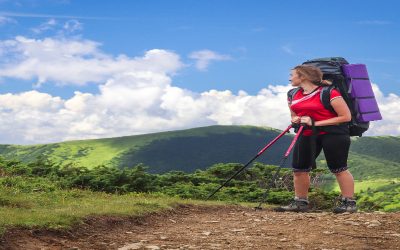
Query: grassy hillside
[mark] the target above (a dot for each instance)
(199, 148)
(379, 147)
(35, 202)
(185, 150)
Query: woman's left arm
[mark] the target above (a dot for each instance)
(341, 109)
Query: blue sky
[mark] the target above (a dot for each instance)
(245, 47)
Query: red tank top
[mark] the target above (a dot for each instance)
(311, 105)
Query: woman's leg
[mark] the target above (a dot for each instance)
(346, 183)
(301, 184)
(336, 149)
(302, 164)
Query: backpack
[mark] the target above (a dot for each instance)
(352, 81)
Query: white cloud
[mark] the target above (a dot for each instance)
(46, 26)
(72, 26)
(388, 106)
(77, 62)
(136, 96)
(205, 57)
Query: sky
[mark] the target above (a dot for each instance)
(73, 69)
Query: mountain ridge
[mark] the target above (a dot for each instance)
(196, 148)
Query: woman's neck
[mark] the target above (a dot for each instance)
(308, 87)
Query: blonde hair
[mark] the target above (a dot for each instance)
(311, 73)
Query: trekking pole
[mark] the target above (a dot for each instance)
(281, 165)
(248, 163)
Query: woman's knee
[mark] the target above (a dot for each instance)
(301, 174)
(342, 173)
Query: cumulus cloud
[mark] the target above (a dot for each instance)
(205, 57)
(136, 95)
(78, 62)
(388, 105)
(131, 104)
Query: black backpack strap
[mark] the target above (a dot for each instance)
(325, 97)
(291, 93)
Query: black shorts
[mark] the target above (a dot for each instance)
(336, 150)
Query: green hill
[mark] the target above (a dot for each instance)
(380, 147)
(199, 148)
(185, 150)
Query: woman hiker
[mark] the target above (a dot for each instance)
(306, 108)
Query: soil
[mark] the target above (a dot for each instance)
(218, 227)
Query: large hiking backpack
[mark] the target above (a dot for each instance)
(353, 83)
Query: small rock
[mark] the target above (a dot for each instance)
(212, 221)
(129, 232)
(375, 222)
(206, 233)
(310, 216)
(163, 237)
(133, 246)
(238, 230)
(283, 240)
(327, 232)
(173, 221)
(152, 247)
(350, 222)
(396, 235)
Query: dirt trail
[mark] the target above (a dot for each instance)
(226, 227)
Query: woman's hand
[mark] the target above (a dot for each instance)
(296, 119)
(306, 120)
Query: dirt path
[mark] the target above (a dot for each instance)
(229, 227)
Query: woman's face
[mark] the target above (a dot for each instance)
(294, 78)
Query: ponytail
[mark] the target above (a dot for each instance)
(325, 83)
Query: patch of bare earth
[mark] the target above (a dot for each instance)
(222, 227)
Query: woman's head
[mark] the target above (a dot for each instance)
(306, 73)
